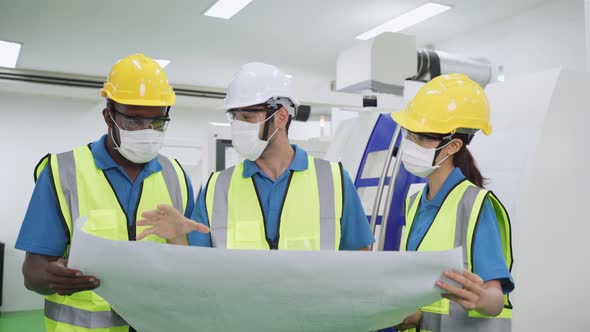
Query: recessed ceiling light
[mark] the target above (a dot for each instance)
(162, 63)
(226, 8)
(9, 54)
(406, 20)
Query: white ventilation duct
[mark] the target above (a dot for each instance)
(384, 63)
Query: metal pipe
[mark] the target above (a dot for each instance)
(382, 179)
(389, 198)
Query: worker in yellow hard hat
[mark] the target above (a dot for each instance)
(110, 182)
(454, 209)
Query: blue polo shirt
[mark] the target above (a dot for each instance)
(355, 232)
(42, 231)
(489, 262)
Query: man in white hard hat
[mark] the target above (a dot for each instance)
(279, 197)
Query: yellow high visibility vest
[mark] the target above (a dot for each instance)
(82, 189)
(309, 218)
(455, 225)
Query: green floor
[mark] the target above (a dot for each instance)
(24, 321)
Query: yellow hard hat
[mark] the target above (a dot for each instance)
(444, 105)
(138, 80)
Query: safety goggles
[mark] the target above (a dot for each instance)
(127, 122)
(421, 137)
(248, 114)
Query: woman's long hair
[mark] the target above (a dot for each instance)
(466, 163)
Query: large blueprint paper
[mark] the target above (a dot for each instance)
(160, 287)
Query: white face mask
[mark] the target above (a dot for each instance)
(418, 160)
(245, 139)
(139, 146)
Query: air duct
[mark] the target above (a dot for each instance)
(383, 65)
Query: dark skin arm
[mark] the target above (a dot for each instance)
(410, 322)
(48, 275)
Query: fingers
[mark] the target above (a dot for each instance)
(68, 281)
(200, 227)
(459, 292)
(64, 290)
(146, 222)
(71, 282)
(167, 209)
(154, 214)
(58, 268)
(462, 280)
(76, 285)
(145, 233)
(473, 277)
(468, 305)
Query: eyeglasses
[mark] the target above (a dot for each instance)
(138, 123)
(247, 114)
(421, 137)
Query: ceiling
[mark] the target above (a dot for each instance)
(87, 37)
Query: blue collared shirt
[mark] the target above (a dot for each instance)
(356, 232)
(42, 231)
(488, 258)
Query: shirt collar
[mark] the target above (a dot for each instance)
(104, 161)
(299, 163)
(452, 180)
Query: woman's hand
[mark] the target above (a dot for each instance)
(168, 223)
(474, 294)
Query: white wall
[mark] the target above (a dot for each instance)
(536, 164)
(551, 223)
(546, 36)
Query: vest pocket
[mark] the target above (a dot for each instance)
(249, 233)
(104, 223)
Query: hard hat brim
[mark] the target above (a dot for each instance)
(409, 122)
(140, 102)
(406, 121)
(227, 107)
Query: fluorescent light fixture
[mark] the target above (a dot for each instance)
(406, 20)
(226, 8)
(9, 54)
(500, 77)
(162, 63)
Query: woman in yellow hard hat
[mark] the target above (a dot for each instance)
(453, 209)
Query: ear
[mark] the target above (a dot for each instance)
(107, 118)
(281, 118)
(454, 146)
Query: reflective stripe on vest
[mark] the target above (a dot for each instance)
(432, 322)
(309, 219)
(462, 205)
(82, 318)
(82, 189)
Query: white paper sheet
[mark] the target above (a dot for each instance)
(160, 287)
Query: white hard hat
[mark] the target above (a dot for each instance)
(258, 83)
